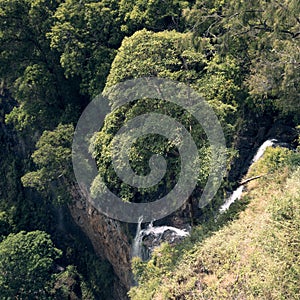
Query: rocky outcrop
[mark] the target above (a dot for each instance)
(108, 238)
(111, 240)
(152, 237)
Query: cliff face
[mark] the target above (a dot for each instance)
(108, 238)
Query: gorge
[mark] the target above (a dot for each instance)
(239, 63)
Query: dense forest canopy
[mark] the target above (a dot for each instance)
(243, 57)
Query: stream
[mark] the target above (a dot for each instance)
(237, 194)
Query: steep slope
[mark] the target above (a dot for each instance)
(256, 256)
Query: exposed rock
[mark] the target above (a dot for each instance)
(109, 240)
(146, 240)
(153, 240)
(79, 205)
(284, 133)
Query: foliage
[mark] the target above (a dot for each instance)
(298, 129)
(264, 37)
(67, 284)
(30, 69)
(5, 224)
(26, 262)
(273, 160)
(53, 158)
(136, 58)
(164, 54)
(86, 33)
(70, 284)
(171, 55)
(241, 56)
(22, 208)
(154, 15)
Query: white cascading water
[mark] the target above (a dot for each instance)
(260, 152)
(237, 194)
(157, 232)
(137, 242)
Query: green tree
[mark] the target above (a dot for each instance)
(164, 54)
(167, 54)
(26, 264)
(263, 36)
(85, 34)
(31, 70)
(153, 15)
(173, 55)
(53, 160)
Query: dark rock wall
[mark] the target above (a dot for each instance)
(108, 238)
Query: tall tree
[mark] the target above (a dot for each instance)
(26, 264)
(264, 38)
(30, 69)
(86, 34)
(53, 161)
(172, 55)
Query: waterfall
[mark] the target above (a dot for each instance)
(237, 194)
(137, 242)
(154, 235)
(260, 152)
(156, 231)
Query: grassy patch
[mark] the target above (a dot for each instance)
(254, 256)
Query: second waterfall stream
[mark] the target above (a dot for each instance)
(237, 194)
